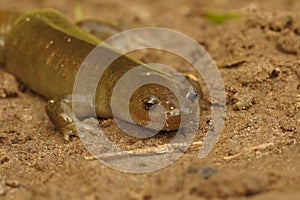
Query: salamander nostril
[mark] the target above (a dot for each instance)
(192, 95)
(150, 101)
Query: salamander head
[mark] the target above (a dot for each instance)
(155, 106)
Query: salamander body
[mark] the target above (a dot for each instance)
(45, 51)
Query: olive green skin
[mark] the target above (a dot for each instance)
(44, 50)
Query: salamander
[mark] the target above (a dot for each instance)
(44, 50)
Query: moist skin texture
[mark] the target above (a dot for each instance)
(44, 50)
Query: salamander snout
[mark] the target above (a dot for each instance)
(161, 106)
(150, 101)
(157, 104)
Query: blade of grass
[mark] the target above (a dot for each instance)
(220, 17)
(78, 12)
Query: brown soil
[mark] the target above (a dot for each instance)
(257, 155)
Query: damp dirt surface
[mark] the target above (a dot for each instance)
(258, 153)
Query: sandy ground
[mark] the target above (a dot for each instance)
(258, 153)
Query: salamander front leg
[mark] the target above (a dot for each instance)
(59, 110)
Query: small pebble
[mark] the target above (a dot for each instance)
(243, 100)
(7, 94)
(4, 159)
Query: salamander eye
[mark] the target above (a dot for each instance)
(150, 101)
(192, 95)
